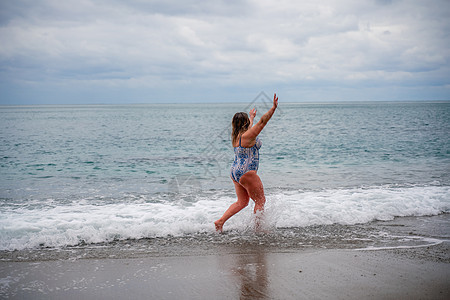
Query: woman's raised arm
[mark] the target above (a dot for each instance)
(254, 131)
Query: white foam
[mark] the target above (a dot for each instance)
(362, 205)
(55, 226)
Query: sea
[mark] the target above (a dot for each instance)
(81, 181)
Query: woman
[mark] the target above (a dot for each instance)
(244, 137)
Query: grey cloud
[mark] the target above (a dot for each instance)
(191, 45)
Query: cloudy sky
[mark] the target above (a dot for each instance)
(137, 51)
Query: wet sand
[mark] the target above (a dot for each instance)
(307, 274)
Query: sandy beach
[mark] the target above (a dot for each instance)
(416, 273)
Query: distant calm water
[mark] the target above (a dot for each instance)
(88, 174)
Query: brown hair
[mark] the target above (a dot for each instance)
(239, 125)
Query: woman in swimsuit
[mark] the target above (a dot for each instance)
(246, 143)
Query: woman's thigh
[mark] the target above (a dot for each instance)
(253, 185)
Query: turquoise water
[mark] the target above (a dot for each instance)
(48, 148)
(165, 159)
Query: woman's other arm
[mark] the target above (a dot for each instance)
(251, 117)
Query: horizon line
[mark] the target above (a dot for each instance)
(224, 102)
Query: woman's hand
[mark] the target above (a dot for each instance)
(252, 113)
(275, 101)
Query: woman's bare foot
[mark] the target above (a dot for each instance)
(219, 226)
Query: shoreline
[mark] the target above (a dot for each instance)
(399, 233)
(406, 258)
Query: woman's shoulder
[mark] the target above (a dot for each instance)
(249, 142)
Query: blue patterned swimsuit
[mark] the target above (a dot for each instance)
(245, 159)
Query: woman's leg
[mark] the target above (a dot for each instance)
(234, 208)
(253, 184)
